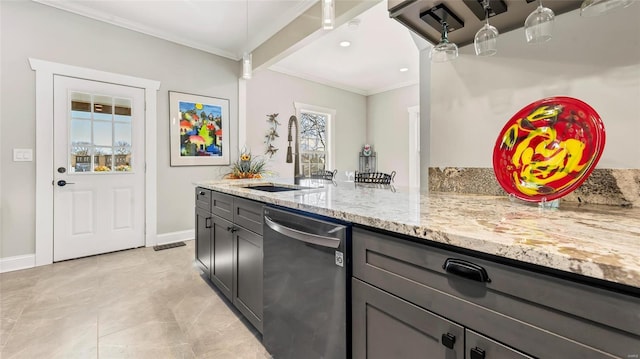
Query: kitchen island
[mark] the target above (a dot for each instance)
(456, 276)
(599, 242)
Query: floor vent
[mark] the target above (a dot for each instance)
(168, 245)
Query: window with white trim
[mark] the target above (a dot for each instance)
(313, 143)
(315, 124)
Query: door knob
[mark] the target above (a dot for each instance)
(63, 183)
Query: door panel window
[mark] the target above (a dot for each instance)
(100, 134)
(81, 132)
(103, 157)
(122, 134)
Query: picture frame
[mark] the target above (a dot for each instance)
(199, 130)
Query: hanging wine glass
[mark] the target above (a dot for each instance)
(539, 25)
(444, 51)
(485, 41)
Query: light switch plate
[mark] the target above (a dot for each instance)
(22, 155)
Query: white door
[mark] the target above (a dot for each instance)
(98, 167)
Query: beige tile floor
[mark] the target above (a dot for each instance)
(137, 303)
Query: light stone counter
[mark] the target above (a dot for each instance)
(597, 241)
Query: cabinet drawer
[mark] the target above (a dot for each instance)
(222, 205)
(385, 326)
(248, 214)
(543, 316)
(203, 198)
(480, 347)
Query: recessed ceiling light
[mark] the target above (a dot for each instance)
(404, 69)
(345, 43)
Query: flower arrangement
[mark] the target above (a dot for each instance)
(102, 169)
(247, 166)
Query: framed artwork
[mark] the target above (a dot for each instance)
(199, 130)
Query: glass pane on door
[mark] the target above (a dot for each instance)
(80, 132)
(103, 157)
(122, 134)
(122, 110)
(100, 134)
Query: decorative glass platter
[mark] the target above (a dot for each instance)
(548, 149)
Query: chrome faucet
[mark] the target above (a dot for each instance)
(296, 163)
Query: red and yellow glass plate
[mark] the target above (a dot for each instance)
(547, 149)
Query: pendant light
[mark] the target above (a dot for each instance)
(444, 51)
(247, 62)
(599, 7)
(538, 26)
(328, 14)
(485, 41)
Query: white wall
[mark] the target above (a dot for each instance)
(272, 92)
(388, 129)
(33, 30)
(593, 59)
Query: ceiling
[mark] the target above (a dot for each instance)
(379, 45)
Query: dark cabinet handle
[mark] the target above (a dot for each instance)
(232, 229)
(448, 340)
(466, 269)
(477, 353)
(201, 193)
(207, 222)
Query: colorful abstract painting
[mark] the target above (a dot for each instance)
(199, 130)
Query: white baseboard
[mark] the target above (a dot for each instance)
(10, 264)
(173, 237)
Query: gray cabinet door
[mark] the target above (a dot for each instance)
(222, 259)
(203, 240)
(385, 326)
(248, 278)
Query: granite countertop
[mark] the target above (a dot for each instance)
(596, 241)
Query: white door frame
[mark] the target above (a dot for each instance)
(45, 71)
(414, 146)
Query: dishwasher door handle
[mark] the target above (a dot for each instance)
(303, 236)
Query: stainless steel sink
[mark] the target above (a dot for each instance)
(272, 187)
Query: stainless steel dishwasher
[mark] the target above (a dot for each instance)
(306, 279)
